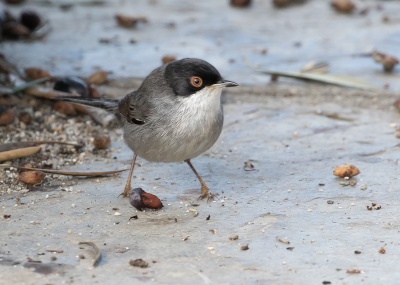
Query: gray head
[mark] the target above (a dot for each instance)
(190, 75)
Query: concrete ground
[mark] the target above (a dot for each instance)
(294, 142)
(295, 134)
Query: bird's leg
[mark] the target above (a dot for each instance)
(204, 189)
(128, 183)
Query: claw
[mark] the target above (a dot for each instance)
(208, 195)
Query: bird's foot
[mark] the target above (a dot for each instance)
(126, 193)
(205, 193)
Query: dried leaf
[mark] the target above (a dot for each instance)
(333, 79)
(18, 153)
(17, 145)
(34, 73)
(97, 257)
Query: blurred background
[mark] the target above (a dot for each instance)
(130, 38)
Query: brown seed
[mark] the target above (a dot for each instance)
(234, 237)
(168, 58)
(31, 177)
(240, 3)
(387, 61)
(128, 21)
(346, 170)
(369, 208)
(64, 108)
(6, 216)
(25, 117)
(141, 199)
(382, 250)
(354, 271)
(34, 73)
(7, 116)
(357, 252)
(138, 263)
(98, 78)
(244, 247)
(81, 256)
(377, 207)
(102, 141)
(343, 6)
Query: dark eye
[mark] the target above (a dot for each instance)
(196, 81)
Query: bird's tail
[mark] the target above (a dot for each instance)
(110, 105)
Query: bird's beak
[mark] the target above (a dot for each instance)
(226, 83)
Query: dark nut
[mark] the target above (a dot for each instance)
(141, 199)
(30, 19)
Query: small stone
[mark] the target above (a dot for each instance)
(117, 214)
(244, 247)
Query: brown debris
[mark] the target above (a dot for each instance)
(346, 170)
(375, 206)
(135, 217)
(213, 231)
(343, 6)
(387, 61)
(7, 116)
(31, 177)
(284, 3)
(382, 250)
(34, 73)
(398, 133)
(240, 3)
(138, 263)
(54, 250)
(357, 252)
(283, 241)
(102, 141)
(6, 216)
(248, 165)
(369, 208)
(353, 271)
(234, 237)
(244, 247)
(97, 252)
(141, 200)
(128, 21)
(81, 256)
(25, 117)
(98, 78)
(15, 30)
(65, 108)
(290, 248)
(168, 58)
(32, 260)
(208, 217)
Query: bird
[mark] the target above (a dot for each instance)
(175, 115)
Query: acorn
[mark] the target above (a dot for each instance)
(102, 141)
(34, 73)
(25, 117)
(64, 108)
(346, 170)
(240, 3)
(343, 6)
(30, 19)
(141, 200)
(7, 116)
(97, 78)
(168, 58)
(31, 177)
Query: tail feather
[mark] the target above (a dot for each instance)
(110, 105)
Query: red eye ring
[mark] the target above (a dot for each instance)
(196, 81)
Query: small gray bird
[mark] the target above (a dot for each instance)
(175, 115)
